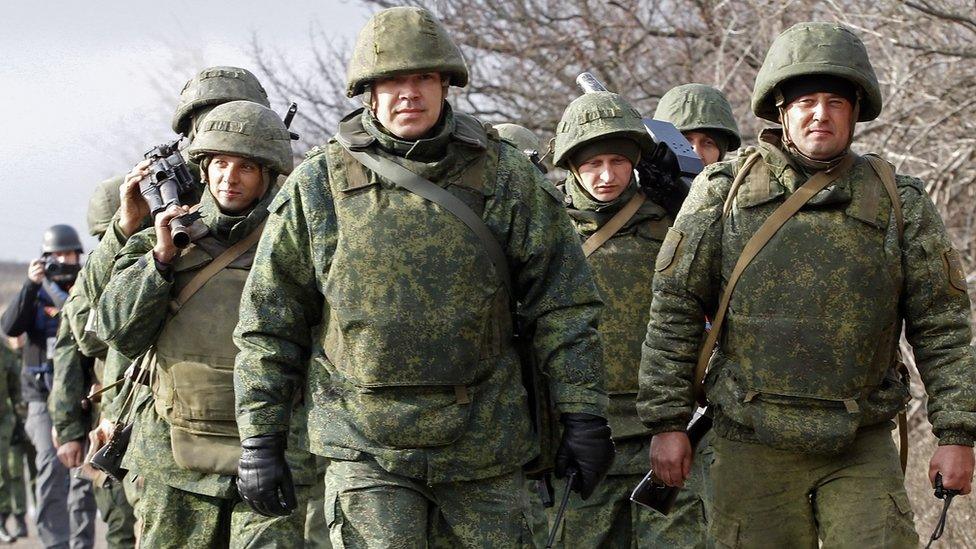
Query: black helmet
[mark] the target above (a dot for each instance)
(61, 238)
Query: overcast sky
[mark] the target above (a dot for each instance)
(79, 95)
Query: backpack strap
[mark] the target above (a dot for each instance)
(737, 182)
(756, 243)
(218, 264)
(614, 224)
(886, 172)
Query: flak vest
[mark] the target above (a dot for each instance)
(194, 357)
(418, 317)
(813, 325)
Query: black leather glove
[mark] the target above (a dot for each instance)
(263, 477)
(587, 449)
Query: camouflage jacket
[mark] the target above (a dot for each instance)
(808, 350)
(623, 268)
(314, 276)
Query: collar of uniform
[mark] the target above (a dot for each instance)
(782, 175)
(589, 214)
(427, 149)
(230, 228)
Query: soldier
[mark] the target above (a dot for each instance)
(35, 312)
(703, 115)
(599, 141)
(182, 308)
(116, 211)
(415, 388)
(13, 495)
(805, 380)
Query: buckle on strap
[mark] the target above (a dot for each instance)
(461, 394)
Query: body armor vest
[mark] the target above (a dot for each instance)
(813, 324)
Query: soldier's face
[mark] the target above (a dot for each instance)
(605, 176)
(820, 124)
(704, 146)
(235, 182)
(408, 105)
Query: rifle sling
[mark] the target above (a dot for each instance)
(406, 179)
(756, 243)
(218, 264)
(614, 224)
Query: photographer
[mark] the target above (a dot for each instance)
(35, 312)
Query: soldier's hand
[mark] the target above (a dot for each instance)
(263, 477)
(35, 272)
(671, 457)
(956, 465)
(71, 454)
(133, 208)
(104, 431)
(587, 449)
(165, 250)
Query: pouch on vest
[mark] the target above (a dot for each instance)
(195, 364)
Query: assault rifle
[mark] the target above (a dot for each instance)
(667, 172)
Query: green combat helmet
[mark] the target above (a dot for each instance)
(246, 129)
(816, 49)
(697, 107)
(102, 205)
(598, 115)
(525, 141)
(403, 40)
(213, 86)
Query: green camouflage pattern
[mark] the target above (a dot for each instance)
(132, 311)
(609, 519)
(520, 136)
(116, 511)
(13, 492)
(213, 86)
(860, 274)
(103, 204)
(173, 518)
(816, 49)
(597, 115)
(623, 268)
(367, 506)
(245, 129)
(698, 107)
(403, 40)
(856, 499)
(328, 210)
(71, 381)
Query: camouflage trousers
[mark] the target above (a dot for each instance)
(173, 518)
(772, 498)
(13, 489)
(367, 506)
(316, 525)
(118, 515)
(609, 519)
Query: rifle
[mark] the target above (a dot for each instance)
(667, 172)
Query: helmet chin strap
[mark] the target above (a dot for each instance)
(807, 161)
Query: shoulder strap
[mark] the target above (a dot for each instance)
(737, 182)
(614, 224)
(218, 264)
(756, 243)
(406, 179)
(886, 172)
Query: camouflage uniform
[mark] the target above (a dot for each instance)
(182, 433)
(201, 93)
(804, 384)
(13, 492)
(623, 269)
(414, 389)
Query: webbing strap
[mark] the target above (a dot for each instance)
(756, 243)
(903, 439)
(614, 224)
(737, 182)
(886, 172)
(218, 264)
(402, 177)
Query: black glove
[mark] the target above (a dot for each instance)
(586, 448)
(263, 478)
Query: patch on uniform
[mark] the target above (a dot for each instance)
(668, 249)
(953, 266)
